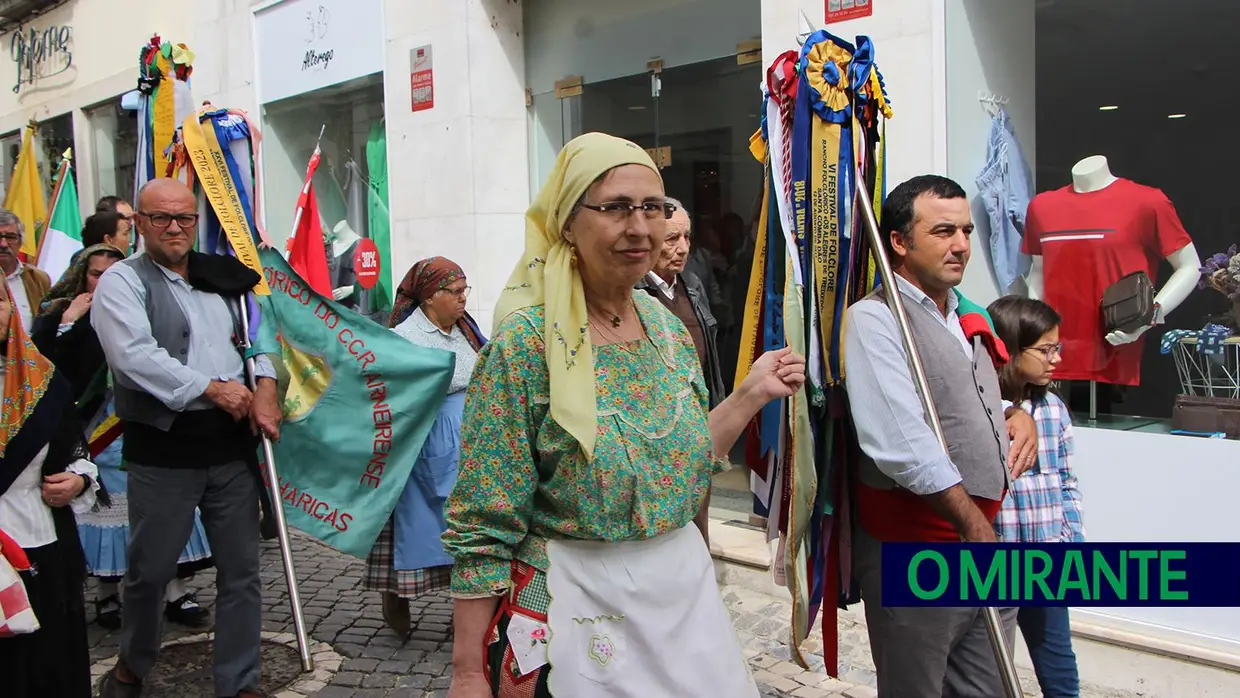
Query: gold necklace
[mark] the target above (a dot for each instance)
(618, 341)
(615, 319)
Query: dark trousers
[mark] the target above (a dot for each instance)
(161, 516)
(1049, 637)
(926, 652)
(53, 661)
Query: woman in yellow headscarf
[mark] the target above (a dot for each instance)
(586, 449)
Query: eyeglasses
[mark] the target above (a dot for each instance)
(163, 220)
(12, 239)
(458, 292)
(1049, 350)
(620, 210)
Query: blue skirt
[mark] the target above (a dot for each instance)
(418, 521)
(105, 532)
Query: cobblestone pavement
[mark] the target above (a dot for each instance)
(373, 663)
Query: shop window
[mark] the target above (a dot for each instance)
(1152, 197)
(52, 138)
(114, 132)
(55, 136)
(351, 205)
(1125, 180)
(10, 148)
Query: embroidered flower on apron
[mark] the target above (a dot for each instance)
(602, 650)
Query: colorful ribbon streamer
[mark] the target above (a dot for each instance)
(823, 115)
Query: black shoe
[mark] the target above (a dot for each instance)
(113, 687)
(186, 611)
(108, 612)
(396, 614)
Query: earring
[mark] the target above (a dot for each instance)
(572, 250)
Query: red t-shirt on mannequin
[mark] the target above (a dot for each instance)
(1087, 242)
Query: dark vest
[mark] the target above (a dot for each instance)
(966, 396)
(170, 329)
(154, 434)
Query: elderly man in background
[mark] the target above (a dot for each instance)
(28, 285)
(168, 323)
(683, 293)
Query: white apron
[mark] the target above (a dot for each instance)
(640, 619)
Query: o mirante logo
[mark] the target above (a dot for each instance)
(1061, 574)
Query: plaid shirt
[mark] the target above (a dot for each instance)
(1044, 505)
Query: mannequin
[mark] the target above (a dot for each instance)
(343, 242)
(1121, 224)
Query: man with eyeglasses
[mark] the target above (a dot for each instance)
(168, 320)
(682, 292)
(908, 488)
(28, 283)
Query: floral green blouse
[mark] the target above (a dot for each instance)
(523, 479)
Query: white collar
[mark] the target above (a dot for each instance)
(422, 322)
(907, 287)
(668, 290)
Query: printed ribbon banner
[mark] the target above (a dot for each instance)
(215, 182)
(822, 123)
(358, 401)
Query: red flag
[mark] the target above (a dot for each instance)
(307, 254)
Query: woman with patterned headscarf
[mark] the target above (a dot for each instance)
(46, 478)
(63, 333)
(408, 559)
(587, 449)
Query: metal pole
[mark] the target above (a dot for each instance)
(994, 626)
(273, 478)
(273, 482)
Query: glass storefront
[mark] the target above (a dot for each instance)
(1162, 197)
(114, 134)
(351, 206)
(1124, 180)
(699, 112)
(52, 138)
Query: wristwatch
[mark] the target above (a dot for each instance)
(1156, 318)
(85, 488)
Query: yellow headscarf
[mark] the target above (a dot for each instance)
(546, 276)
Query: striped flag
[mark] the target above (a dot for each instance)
(63, 236)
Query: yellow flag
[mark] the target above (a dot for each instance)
(221, 191)
(25, 195)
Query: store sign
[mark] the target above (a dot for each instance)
(304, 45)
(421, 78)
(366, 263)
(844, 10)
(40, 54)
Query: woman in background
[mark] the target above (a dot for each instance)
(45, 479)
(408, 559)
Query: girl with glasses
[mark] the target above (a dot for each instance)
(1044, 505)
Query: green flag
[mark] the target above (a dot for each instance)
(359, 401)
(63, 239)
